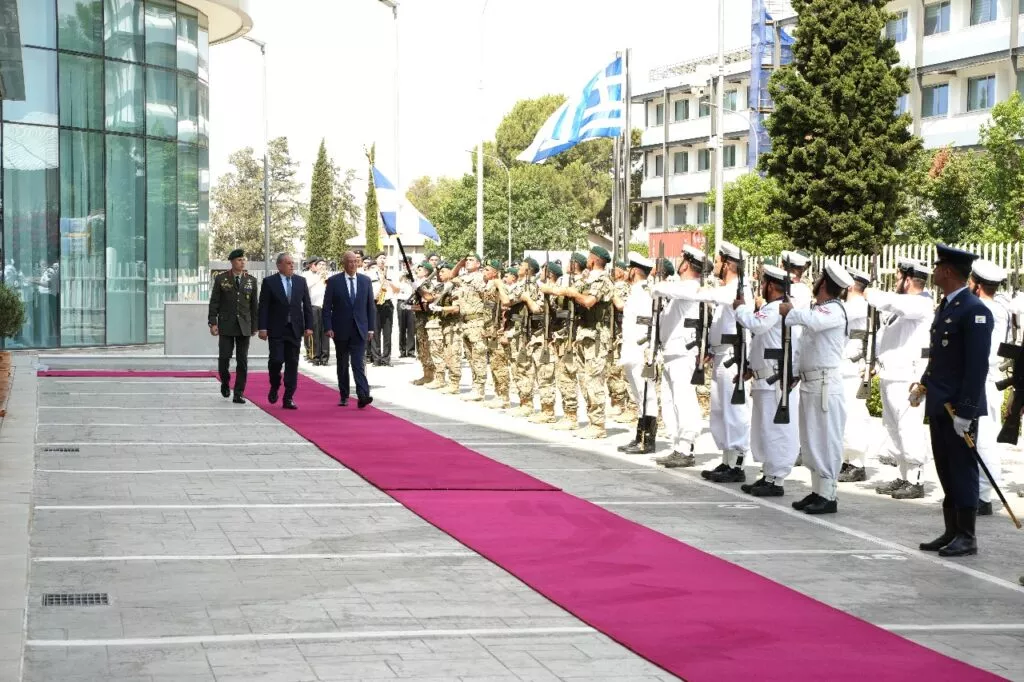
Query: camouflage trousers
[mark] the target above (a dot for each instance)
(451, 351)
(500, 350)
(423, 346)
(566, 377)
(476, 352)
(618, 389)
(523, 370)
(545, 372)
(592, 364)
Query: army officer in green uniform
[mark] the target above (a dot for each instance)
(233, 316)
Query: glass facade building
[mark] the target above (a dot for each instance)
(105, 182)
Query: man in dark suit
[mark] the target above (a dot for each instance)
(285, 316)
(961, 336)
(349, 319)
(232, 318)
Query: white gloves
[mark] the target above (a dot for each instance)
(961, 426)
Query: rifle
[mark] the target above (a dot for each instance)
(1015, 341)
(869, 336)
(524, 323)
(739, 345)
(784, 356)
(571, 326)
(1010, 433)
(703, 326)
(650, 370)
(545, 352)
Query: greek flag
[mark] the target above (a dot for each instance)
(404, 219)
(597, 111)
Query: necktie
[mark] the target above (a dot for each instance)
(352, 288)
(238, 282)
(288, 288)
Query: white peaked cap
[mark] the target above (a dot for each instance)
(640, 261)
(694, 253)
(730, 250)
(915, 266)
(988, 272)
(773, 272)
(838, 274)
(859, 275)
(797, 260)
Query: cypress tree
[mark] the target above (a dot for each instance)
(372, 210)
(321, 199)
(839, 151)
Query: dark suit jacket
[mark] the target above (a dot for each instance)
(275, 311)
(233, 309)
(961, 337)
(345, 317)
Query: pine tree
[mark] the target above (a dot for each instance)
(372, 210)
(321, 200)
(839, 150)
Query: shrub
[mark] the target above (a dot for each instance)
(12, 312)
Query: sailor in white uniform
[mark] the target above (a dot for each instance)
(775, 446)
(858, 420)
(637, 346)
(796, 264)
(822, 402)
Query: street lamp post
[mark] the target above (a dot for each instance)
(266, 156)
(508, 175)
(393, 4)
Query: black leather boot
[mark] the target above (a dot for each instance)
(648, 434)
(964, 544)
(636, 438)
(949, 517)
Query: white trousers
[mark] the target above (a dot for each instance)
(822, 421)
(679, 406)
(858, 423)
(730, 424)
(775, 446)
(988, 448)
(906, 429)
(636, 381)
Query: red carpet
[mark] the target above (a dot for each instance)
(127, 374)
(695, 615)
(389, 452)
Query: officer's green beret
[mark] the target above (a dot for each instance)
(554, 268)
(534, 265)
(237, 253)
(666, 267)
(494, 263)
(474, 255)
(579, 258)
(621, 264)
(426, 266)
(601, 253)
(512, 271)
(444, 265)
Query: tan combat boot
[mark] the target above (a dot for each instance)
(593, 432)
(545, 416)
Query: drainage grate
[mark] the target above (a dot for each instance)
(71, 449)
(83, 599)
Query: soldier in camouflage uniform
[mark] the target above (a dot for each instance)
(523, 367)
(450, 346)
(511, 277)
(495, 303)
(541, 351)
(592, 299)
(421, 311)
(233, 317)
(622, 404)
(562, 345)
(469, 298)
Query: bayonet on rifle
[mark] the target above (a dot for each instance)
(739, 343)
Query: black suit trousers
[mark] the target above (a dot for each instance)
(227, 345)
(284, 351)
(381, 345)
(406, 330)
(955, 464)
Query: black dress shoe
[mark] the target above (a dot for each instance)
(800, 505)
(343, 402)
(768, 490)
(730, 475)
(364, 401)
(289, 405)
(747, 487)
(962, 545)
(225, 390)
(272, 396)
(984, 509)
(717, 470)
(949, 517)
(822, 506)
(239, 400)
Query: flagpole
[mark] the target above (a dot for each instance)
(720, 131)
(616, 179)
(627, 158)
(480, 149)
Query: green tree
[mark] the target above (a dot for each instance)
(751, 222)
(839, 151)
(427, 194)
(321, 202)
(946, 199)
(372, 210)
(237, 198)
(520, 125)
(1004, 182)
(345, 213)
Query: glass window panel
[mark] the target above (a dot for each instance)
(682, 109)
(731, 99)
(125, 95)
(901, 104)
(657, 216)
(81, 91)
(161, 35)
(126, 240)
(204, 115)
(703, 107)
(31, 206)
(188, 221)
(702, 213)
(161, 232)
(80, 25)
(188, 39)
(204, 217)
(680, 162)
(935, 100)
(659, 166)
(659, 114)
(204, 55)
(124, 29)
(679, 214)
(37, 23)
(981, 93)
(936, 18)
(983, 11)
(703, 159)
(729, 156)
(1020, 82)
(82, 285)
(896, 28)
(187, 108)
(161, 103)
(40, 96)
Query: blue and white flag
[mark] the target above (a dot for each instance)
(597, 111)
(400, 219)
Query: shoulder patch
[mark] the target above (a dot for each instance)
(979, 319)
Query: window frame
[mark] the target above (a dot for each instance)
(933, 88)
(990, 95)
(941, 27)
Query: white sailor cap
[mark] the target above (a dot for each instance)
(838, 274)
(795, 259)
(775, 273)
(914, 267)
(859, 275)
(987, 272)
(694, 254)
(637, 260)
(731, 251)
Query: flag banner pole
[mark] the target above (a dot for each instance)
(627, 154)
